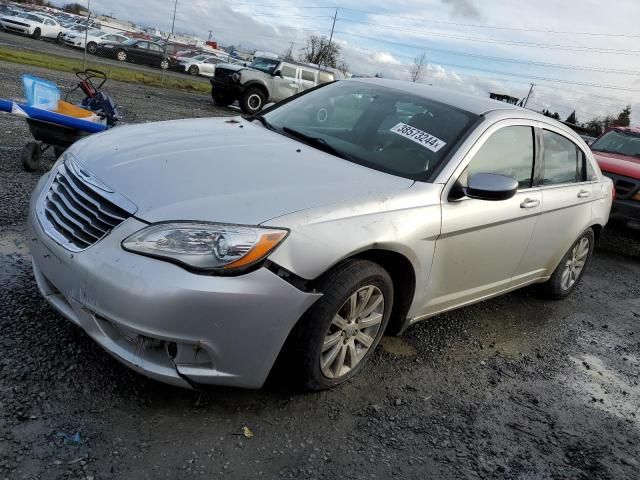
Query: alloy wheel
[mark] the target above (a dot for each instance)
(575, 264)
(352, 332)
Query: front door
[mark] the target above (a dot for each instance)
(482, 242)
(286, 85)
(138, 52)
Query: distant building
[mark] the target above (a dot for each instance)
(504, 98)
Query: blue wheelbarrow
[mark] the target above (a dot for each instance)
(58, 124)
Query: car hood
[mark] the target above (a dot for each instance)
(223, 170)
(618, 164)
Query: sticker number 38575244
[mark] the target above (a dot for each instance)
(422, 138)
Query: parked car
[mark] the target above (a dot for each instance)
(204, 65)
(34, 25)
(264, 80)
(198, 251)
(588, 139)
(71, 28)
(136, 51)
(618, 153)
(93, 38)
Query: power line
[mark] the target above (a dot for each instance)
(493, 27)
(575, 48)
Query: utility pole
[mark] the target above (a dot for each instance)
(164, 54)
(524, 104)
(333, 26)
(86, 34)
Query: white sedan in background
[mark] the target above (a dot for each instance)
(204, 65)
(93, 38)
(34, 25)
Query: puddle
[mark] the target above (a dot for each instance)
(397, 346)
(13, 242)
(606, 389)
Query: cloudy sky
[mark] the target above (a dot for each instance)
(583, 55)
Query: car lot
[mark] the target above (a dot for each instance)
(42, 46)
(512, 388)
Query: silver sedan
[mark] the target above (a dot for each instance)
(199, 251)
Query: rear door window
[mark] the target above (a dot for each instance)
(562, 160)
(308, 76)
(289, 71)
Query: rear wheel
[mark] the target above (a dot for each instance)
(31, 156)
(121, 56)
(59, 38)
(252, 100)
(335, 338)
(36, 34)
(194, 70)
(569, 272)
(164, 64)
(92, 47)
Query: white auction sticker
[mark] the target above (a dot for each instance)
(415, 135)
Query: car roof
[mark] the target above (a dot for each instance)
(634, 130)
(464, 101)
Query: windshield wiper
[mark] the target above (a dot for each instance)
(317, 142)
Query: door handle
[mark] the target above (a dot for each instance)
(583, 194)
(530, 203)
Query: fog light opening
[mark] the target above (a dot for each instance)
(172, 350)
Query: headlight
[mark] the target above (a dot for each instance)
(206, 246)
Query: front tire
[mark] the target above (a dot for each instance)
(194, 70)
(121, 56)
(335, 338)
(570, 270)
(164, 64)
(36, 34)
(252, 101)
(92, 48)
(59, 38)
(31, 156)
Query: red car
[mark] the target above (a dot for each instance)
(618, 153)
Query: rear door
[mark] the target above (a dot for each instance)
(483, 242)
(307, 79)
(567, 195)
(154, 57)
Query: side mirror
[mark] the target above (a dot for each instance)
(490, 186)
(277, 73)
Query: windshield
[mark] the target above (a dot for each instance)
(379, 127)
(267, 65)
(618, 141)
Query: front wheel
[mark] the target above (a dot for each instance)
(569, 272)
(121, 56)
(335, 338)
(194, 70)
(36, 34)
(252, 101)
(164, 64)
(59, 38)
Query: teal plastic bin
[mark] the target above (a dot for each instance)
(40, 93)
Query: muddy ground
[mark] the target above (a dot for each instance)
(516, 387)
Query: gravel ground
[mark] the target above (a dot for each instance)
(515, 388)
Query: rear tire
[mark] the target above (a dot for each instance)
(317, 336)
(571, 268)
(121, 56)
(31, 156)
(92, 48)
(194, 70)
(252, 101)
(36, 34)
(59, 38)
(164, 64)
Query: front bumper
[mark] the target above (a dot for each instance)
(164, 322)
(74, 43)
(228, 90)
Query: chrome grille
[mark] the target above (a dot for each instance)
(76, 213)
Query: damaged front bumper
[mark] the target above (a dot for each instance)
(164, 322)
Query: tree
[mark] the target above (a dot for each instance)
(547, 113)
(74, 8)
(318, 50)
(572, 119)
(417, 69)
(343, 67)
(624, 117)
